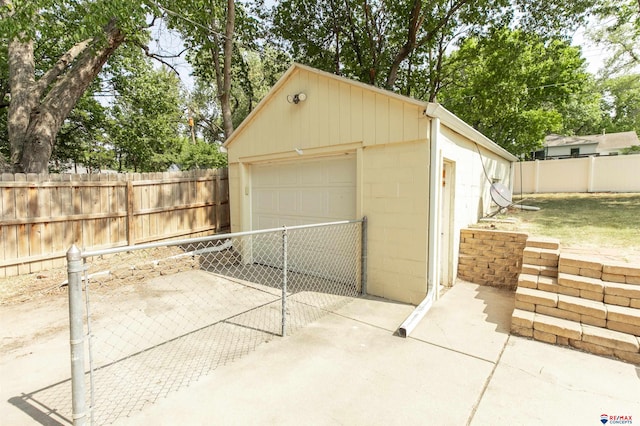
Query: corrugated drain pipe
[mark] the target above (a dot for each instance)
(434, 231)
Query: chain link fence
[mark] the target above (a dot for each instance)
(149, 320)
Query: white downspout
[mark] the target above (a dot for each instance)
(433, 270)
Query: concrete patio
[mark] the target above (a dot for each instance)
(459, 366)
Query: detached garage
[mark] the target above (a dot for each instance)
(321, 148)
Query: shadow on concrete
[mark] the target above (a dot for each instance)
(499, 306)
(49, 406)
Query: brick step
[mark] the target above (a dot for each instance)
(561, 331)
(592, 267)
(540, 256)
(547, 299)
(547, 271)
(627, 295)
(543, 243)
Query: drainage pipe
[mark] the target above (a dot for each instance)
(433, 233)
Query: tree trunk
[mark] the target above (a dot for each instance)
(415, 21)
(21, 84)
(228, 54)
(35, 115)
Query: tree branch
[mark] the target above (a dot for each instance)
(414, 24)
(159, 58)
(415, 21)
(60, 66)
(228, 52)
(67, 90)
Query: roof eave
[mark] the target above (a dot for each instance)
(458, 125)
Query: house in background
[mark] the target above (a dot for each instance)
(321, 148)
(557, 146)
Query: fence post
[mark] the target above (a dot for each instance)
(131, 234)
(363, 259)
(76, 331)
(284, 280)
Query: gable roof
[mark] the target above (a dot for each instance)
(430, 109)
(604, 142)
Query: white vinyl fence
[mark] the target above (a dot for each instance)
(620, 173)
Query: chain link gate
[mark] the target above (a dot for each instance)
(148, 320)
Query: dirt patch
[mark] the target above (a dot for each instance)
(44, 285)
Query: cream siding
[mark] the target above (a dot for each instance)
(472, 199)
(395, 198)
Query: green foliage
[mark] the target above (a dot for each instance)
(201, 155)
(82, 138)
(75, 20)
(635, 149)
(401, 44)
(146, 118)
(621, 103)
(619, 30)
(514, 86)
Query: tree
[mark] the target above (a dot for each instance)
(200, 155)
(620, 32)
(83, 138)
(515, 86)
(146, 117)
(635, 149)
(400, 44)
(621, 104)
(208, 29)
(46, 84)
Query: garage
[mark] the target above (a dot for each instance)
(320, 148)
(303, 192)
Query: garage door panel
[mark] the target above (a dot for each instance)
(337, 173)
(267, 177)
(313, 202)
(313, 175)
(266, 222)
(338, 202)
(287, 202)
(265, 201)
(288, 175)
(305, 193)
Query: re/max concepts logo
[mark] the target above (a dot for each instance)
(615, 420)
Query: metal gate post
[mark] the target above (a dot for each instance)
(76, 331)
(284, 280)
(363, 259)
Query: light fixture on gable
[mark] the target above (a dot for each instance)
(297, 98)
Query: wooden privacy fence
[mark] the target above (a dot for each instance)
(43, 215)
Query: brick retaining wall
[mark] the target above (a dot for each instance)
(490, 257)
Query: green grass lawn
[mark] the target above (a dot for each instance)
(604, 220)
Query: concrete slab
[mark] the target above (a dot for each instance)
(471, 319)
(535, 383)
(34, 357)
(335, 371)
(458, 367)
(377, 312)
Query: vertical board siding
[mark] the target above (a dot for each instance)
(41, 216)
(336, 112)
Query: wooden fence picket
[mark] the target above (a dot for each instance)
(41, 216)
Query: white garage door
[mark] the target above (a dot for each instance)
(303, 192)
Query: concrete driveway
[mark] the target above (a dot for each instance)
(459, 366)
